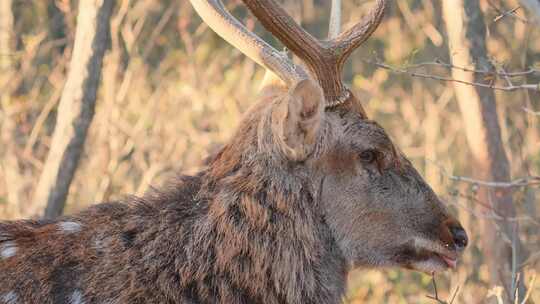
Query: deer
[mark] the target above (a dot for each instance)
(308, 189)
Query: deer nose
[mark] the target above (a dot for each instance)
(459, 236)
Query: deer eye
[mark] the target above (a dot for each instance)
(368, 156)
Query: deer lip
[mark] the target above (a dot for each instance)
(449, 257)
(437, 252)
(451, 262)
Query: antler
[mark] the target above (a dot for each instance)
(334, 26)
(229, 28)
(325, 58)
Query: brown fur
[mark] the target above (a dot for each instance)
(280, 215)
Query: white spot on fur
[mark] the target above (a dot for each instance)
(8, 250)
(10, 298)
(98, 243)
(76, 298)
(70, 227)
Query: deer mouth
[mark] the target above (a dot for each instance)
(432, 258)
(428, 256)
(450, 261)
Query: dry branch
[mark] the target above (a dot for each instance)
(529, 111)
(438, 62)
(506, 13)
(435, 297)
(467, 34)
(9, 163)
(520, 182)
(508, 88)
(76, 108)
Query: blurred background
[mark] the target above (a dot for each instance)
(171, 92)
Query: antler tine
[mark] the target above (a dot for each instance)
(278, 22)
(324, 58)
(334, 26)
(229, 28)
(344, 44)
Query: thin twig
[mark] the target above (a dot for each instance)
(531, 259)
(439, 62)
(507, 13)
(454, 295)
(529, 291)
(434, 285)
(470, 197)
(495, 217)
(508, 80)
(533, 87)
(435, 297)
(520, 182)
(502, 13)
(529, 111)
(514, 289)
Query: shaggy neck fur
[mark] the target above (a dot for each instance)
(265, 246)
(265, 237)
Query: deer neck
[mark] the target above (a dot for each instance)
(266, 229)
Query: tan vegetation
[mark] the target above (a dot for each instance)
(172, 91)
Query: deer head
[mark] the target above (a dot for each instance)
(312, 128)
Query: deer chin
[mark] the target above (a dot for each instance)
(427, 256)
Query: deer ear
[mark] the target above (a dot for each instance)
(297, 118)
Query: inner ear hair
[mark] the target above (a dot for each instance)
(296, 119)
(309, 99)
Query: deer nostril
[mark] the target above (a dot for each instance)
(460, 237)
